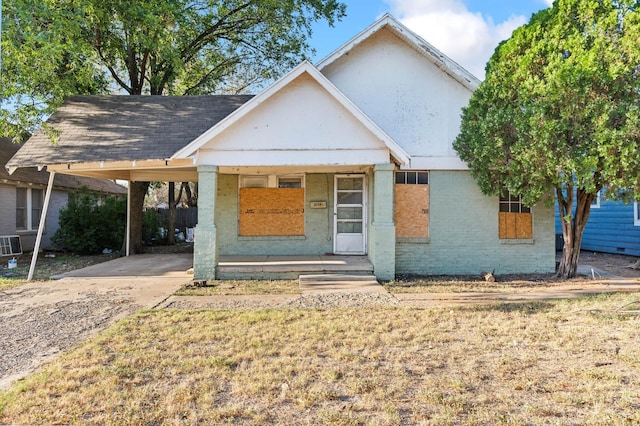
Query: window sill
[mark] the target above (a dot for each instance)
(405, 240)
(272, 238)
(517, 241)
(26, 232)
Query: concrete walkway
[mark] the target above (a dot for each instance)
(39, 320)
(338, 283)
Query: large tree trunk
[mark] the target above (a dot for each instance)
(138, 192)
(572, 228)
(171, 236)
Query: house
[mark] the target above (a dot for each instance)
(613, 227)
(22, 199)
(351, 156)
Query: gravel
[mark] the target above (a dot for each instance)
(30, 336)
(319, 301)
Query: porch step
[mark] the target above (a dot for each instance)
(289, 267)
(339, 283)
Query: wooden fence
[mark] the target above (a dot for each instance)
(185, 218)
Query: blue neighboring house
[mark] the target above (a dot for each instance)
(613, 227)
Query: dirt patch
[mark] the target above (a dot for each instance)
(616, 264)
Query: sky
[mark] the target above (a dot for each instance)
(468, 31)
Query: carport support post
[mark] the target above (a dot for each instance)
(382, 239)
(128, 228)
(43, 217)
(205, 252)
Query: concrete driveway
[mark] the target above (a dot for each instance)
(39, 320)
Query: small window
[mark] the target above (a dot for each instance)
(37, 202)
(272, 181)
(290, 182)
(255, 181)
(595, 203)
(515, 220)
(21, 208)
(412, 178)
(29, 205)
(636, 213)
(512, 204)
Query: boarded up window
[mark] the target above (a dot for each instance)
(271, 211)
(515, 225)
(515, 219)
(412, 205)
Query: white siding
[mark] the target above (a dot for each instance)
(302, 124)
(410, 98)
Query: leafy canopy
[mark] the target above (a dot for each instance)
(560, 106)
(56, 48)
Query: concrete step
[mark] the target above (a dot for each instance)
(339, 283)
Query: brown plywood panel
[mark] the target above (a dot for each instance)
(412, 211)
(271, 211)
(524, 225)
(515, 225)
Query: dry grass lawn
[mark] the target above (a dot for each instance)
(241, 287)
(567, 362)
(505, 283)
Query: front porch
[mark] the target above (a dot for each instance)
(290, 267)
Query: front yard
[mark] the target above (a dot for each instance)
(564, 362)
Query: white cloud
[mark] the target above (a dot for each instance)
(466, 37)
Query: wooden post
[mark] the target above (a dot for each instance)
(43, 216)
(128, 231)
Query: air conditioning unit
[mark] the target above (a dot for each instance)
(10, 245)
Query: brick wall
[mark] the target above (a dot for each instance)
(464, 234)
(318, 238)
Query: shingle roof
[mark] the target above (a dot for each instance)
(114, 128)
(32, 175)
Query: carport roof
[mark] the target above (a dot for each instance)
(123, 128)
(31, 175)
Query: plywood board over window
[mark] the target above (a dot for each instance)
(412, 205)
(515, 220)
(515, 225)
(271, 212)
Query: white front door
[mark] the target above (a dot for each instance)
(350, 215)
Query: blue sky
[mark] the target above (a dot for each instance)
(468, 31)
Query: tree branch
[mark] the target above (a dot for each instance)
(112, 71)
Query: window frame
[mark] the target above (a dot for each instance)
(512, 210)
(411, 177)
(271, 180)
(28, 209)
(636, 213)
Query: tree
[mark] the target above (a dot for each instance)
(57, 48)
(559, 113)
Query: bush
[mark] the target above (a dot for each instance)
(87, 227)
(151, 222)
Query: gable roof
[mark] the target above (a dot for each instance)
(31, 175)
(423, 47)
(117, 128)
(304, 68)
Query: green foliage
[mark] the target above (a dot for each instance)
(560, 106)
(56, 48)
(151, 222)
(87, 227)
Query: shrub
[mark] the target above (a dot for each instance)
(151, 222)
(87, 227)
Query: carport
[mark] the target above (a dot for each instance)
(130, 138)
